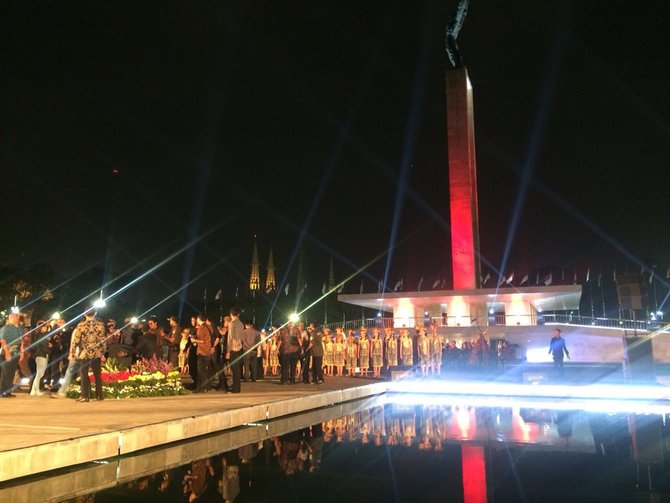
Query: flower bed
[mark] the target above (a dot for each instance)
(148, 378)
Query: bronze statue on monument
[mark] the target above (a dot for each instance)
(453, 28)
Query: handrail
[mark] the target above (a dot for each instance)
(505, 320)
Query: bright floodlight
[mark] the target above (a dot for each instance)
(294, 317)
(99, 304)
(15, 310)
(55, 316)
(134, 320)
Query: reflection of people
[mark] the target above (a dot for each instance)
(564, 420)
(557, 349)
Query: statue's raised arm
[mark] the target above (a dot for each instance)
(453, 28)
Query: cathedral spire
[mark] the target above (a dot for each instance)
(270, 282)
(255, 278)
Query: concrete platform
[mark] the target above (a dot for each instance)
(42, 433)
(94, 477)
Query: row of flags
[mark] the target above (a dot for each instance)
(548, 278)
(503, 280)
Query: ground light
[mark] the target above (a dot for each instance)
(294, 317)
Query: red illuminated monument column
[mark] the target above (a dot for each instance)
(462, 181)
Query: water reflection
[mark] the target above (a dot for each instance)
(385, 451)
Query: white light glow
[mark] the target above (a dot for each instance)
(553, 391)
(294, 317)
(99, 304)
(537, 355)
(610, 406)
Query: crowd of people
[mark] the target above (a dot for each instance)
(220, 354)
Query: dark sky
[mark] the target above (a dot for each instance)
(229, 119)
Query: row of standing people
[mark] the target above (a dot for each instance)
(319, 352)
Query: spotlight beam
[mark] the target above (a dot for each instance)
(537, 133)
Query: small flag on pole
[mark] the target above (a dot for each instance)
(510, 279)
(396, 287)
(323, 289)
(667, 273)
(205, 294)
(524, 280)
(444, 284)
(549, 279)
(437, 281)
(418, 288)
(574, 281)
(486, 278)
(361, 289)
(379, 287)
(237, 291)
(339, 290)
(286, 289)
(588, 274)
(218, 295)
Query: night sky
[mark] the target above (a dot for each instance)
(130, 129)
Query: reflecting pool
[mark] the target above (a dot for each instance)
(393, 448)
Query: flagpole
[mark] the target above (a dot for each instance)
(653, 280)
(591, 297)
(221, 311)
(602, 292)
(253, 306)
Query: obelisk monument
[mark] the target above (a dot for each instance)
(464, 218)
